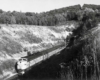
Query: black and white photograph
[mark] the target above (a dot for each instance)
(49, 39)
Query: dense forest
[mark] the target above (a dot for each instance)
(50, 18)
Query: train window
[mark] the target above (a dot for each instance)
(25, 59)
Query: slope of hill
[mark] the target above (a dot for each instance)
(17, 40)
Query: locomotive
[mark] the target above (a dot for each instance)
(22, 65)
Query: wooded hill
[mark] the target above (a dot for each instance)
(50, 18)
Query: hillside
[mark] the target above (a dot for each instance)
(17, 40)
(81, 58)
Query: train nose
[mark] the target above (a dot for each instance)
(22, 65)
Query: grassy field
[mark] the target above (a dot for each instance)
(15, 38)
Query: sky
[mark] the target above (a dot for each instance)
(40, 5)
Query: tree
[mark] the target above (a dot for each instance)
(13, 20)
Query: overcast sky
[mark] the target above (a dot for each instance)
(40, 5)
